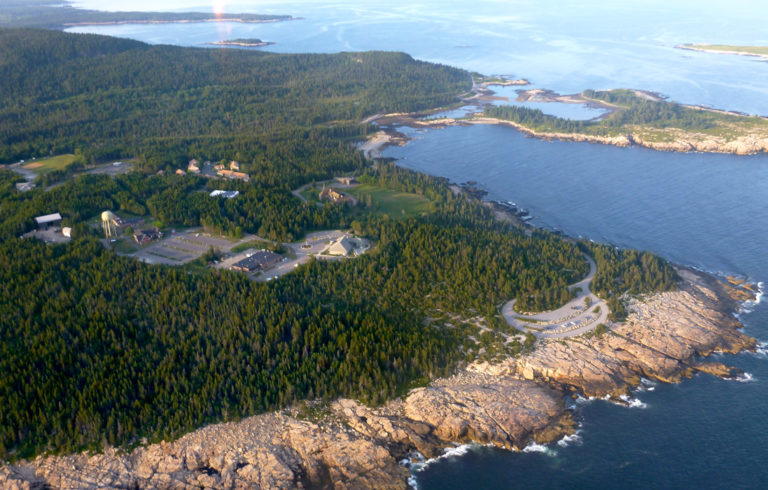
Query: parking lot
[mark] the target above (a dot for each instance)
(183, 247)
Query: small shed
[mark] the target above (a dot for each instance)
(47, 221)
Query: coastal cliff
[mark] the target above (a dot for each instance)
(508, 404)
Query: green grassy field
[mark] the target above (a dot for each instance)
(47, 165)
(311, 194)
(393, 203)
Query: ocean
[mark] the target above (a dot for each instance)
(702, 210)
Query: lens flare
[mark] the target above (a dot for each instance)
(219, 6)
(219, 9)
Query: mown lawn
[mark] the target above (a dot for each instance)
(46, 165)
(387, 201)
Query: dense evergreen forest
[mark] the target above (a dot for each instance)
(109, 98)
(633, 110)
(621, 271)
(97, 348)
(54, 15)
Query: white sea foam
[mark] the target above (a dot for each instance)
(416, 461)
(534, 447)
(633, 402)
(749, 305)
(412, 482)
(762, 349)
(580, 400)
(745, 378)
(646, 385)
(571, 439)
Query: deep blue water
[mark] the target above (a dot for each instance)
(708, 211)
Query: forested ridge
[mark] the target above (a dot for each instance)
(98, 349)
(107, 97)
(55, 15)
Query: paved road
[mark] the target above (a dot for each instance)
(572, 319)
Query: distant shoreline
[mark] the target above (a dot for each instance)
(732, 50)
(241, 44)
(177, 21)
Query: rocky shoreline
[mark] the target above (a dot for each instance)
(508, 404)
(683, 142)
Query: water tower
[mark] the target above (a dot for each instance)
(108, 223)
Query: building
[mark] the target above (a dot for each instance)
(346, 180)
(233, 165)
(219, 167)
(118, 221)
(48, 221)
(331, 194)
(180, 172)
(67, 232)
(227, 194)
(143, 237)
(261, 260)
(25, 186)
(231, 174)
(343, 246)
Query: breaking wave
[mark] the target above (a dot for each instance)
(749, 305)
(744, 378)
(762, 349)
(534, 447)
(631, 402)
(571, 439)
(646, 385)
(416, 462)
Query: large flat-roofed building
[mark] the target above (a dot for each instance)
(48, 221)
(227, 194)
(263, 259)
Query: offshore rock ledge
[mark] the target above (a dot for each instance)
(507, 404)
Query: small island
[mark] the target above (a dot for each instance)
(243, 43)
(758, 51)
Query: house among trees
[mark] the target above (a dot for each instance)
(261, 260)
(331, 194)
(233, 165)
(180, 172)
(143, 237)
(48, 221)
